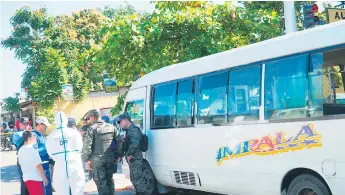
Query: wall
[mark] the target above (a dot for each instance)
(95, 100)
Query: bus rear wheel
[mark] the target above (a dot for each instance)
(150, 180)
(307, 185)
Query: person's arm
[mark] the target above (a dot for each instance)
(35, 157)
(134, 142)
(119, 147)
(40, 171)
(87, 145)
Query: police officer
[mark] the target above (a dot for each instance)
(98, 153)
(133, 154)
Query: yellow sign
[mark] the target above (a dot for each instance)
(334, 15)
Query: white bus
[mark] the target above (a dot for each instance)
(264, 119)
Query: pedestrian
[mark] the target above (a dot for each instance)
(18, 141)
(83, 130)
(106, 119)
(118, 146)
(31, 164)
(72, 124)
(134, 156)
(17, 124)
(4, 127)
(98, 153)
(42, 124)
(64, 145)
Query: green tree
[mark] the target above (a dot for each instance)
(11, 104)
(177, 32)
(52, 47)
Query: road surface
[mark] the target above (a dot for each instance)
(10, 184)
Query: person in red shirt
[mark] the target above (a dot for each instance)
(17, 124)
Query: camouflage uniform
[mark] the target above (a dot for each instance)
(118, 150)
(97, 148)
(119, 147)
(132, 148)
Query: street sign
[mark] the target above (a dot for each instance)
(334, 15)
(110, 84)
(67, 92)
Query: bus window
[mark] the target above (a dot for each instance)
(244, 94)
(184, 103)
(135, 110)
(212, 98)
(164, 105)
(326, 83)
(285, 88)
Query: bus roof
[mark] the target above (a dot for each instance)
(306, 40)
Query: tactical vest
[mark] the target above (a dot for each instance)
(103, 136)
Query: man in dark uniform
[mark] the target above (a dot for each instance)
(98, 153)
(133, 153)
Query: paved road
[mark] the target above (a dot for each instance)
(10, 184)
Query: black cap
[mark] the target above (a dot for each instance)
(121, 117)
(24, 120)
(71, 122)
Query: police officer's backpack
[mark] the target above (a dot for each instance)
(144, 142)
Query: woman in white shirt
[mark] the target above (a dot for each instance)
(31, 164)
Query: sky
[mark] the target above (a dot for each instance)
(11, 69)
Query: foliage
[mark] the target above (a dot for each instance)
(177, 32)
(81, 47)
(47, 112)
(119, 105)
(47, 86)
(52, 47)
(11, 104)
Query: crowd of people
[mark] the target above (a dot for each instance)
(56, 163)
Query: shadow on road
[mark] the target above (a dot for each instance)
(9, 174)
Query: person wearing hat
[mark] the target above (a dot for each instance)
(64, 145)
(42, 124)
(133, 154)
(106, 119)
(98, 153)
(4, 127)
(71, 123)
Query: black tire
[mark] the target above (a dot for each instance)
(301, 184)
(150, 179)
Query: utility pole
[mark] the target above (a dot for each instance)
(290, 17)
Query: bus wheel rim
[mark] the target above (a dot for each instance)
(307, 191)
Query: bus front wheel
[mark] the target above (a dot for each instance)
(307, 185)
(150, 179)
